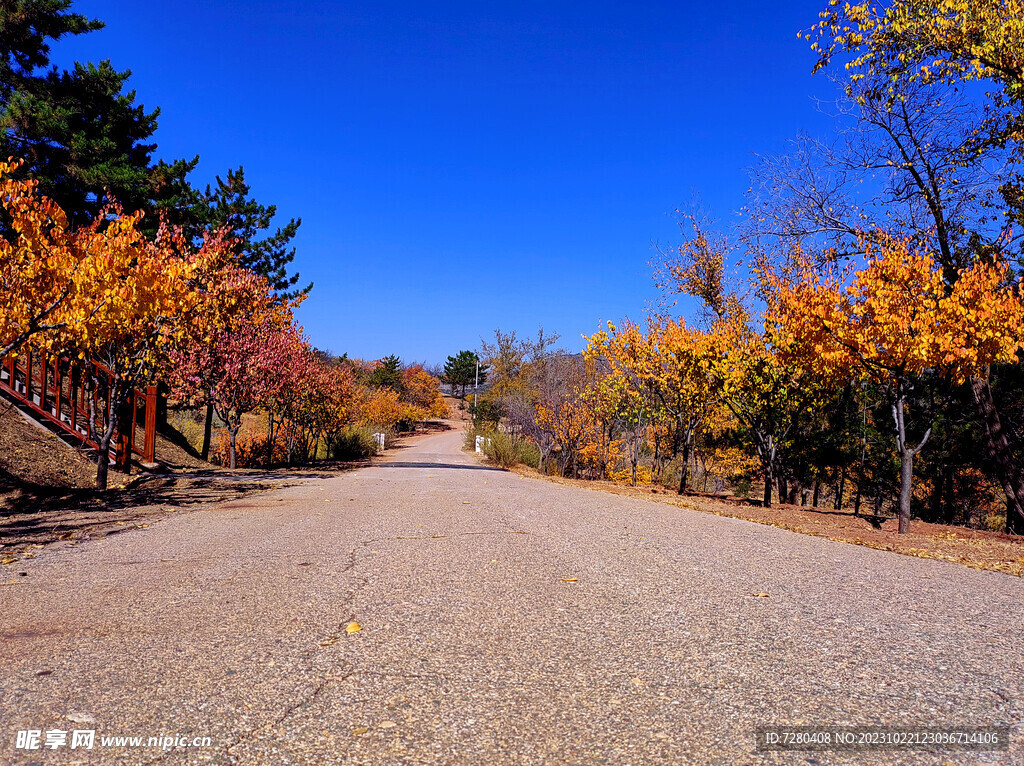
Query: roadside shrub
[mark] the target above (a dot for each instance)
(354, 443)
(743, 487)
(508, 451)
(644, 475)
(469, 442)
(529, 454)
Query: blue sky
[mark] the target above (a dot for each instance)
(464, 166)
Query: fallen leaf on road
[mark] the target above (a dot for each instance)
(329, 641)
(360, 730)
(638, 682)
(9, 560)
(387, 725)
(353, 627)
(760, 595)
(465, 502)
(570, 579)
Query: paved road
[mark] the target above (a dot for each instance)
(229, 623)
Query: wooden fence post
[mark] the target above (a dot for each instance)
(123, 458)
(149, 445)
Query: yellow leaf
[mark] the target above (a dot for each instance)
(570, 579)
(759, 595)
(353, 627)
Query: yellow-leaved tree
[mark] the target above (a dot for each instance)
(39, 267)
(144, 296)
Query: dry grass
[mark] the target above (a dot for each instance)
(978, 549)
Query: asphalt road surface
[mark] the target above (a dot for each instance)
(504, 620)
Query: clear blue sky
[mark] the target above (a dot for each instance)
(463, 166)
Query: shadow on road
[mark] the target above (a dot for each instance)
(454, 466)
(34, 514)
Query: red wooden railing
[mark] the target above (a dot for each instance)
(53, 389)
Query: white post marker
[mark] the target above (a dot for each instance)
(379, 438)
(479, 444)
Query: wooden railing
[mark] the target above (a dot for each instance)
(54, 390)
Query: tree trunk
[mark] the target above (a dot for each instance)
(103, 461)
(685, 470)
(634, 458)
(906, 456)
(766, 501)
(233, 448)
(270, 439)
(998, 448)
(935, 509)
(817, 493)
(841, 489)
(113, 405)
(794, 490)
(207, 431)
(906, 487)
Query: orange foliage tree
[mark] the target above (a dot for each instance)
(895, 321)
(423, 390)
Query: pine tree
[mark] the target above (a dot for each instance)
(461, 370)
(80, 133)
(229, 206)
(388, 373)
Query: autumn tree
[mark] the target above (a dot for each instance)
(631, 375)
(383, 409)
(330, 402)
(765, 395)
(907, 61)
(569, 422)
(684, 384)
(145, 299)
(237, 310)
(243, 369)
(423, 390)
(893, 323)
(40, 267)
(931, 40)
